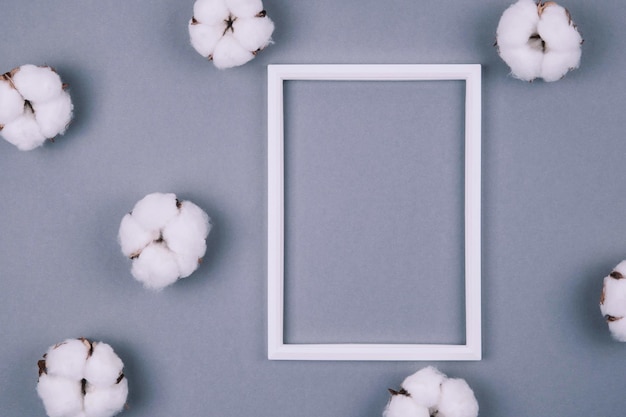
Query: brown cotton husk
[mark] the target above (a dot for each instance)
(41, 364)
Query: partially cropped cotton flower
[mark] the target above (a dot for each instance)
(80, 378)
(34, 106)
(428, 392)
(538, 40)
(230, 32)
(165, 238)
(613, 301)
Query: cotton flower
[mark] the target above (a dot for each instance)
(613, 301)
(538, 40)
(428, 392)
(165, 238)
(229, 32)
(34, 106)
(79, 378)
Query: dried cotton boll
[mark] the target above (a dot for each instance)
(55, 115)
(61, 396)
(518, 24)
(253, 34)
(613, 301)
(204, 38)
(457, 399)
(556, 29)
(526, 61)
(133, 237)
(186, 232)
(229, 32)
(424, 386)
(401, 405)
(618, 329)
(165, 238)
(538, 40)
(24, 132)
(556, 64)
(244, 8)
(78, 378)
(229, 53)
(37, 84)
(68, 358)
(155, 210)
(34, 106)
(11, 102)
(103, 366)
(211, 12)
(156, 267)
(105, 401)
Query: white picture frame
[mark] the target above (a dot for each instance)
(277, 348)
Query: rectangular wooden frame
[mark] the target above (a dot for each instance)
(277, 348)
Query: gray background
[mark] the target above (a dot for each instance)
(152, 115)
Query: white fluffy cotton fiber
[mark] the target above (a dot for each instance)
(80, 378)
(230, 32)
(165, 238)
(538, 40)
(457, 399)
(613, 301)
(428, 392)
(34, 106)
(404, 406)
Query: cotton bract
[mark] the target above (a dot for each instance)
(428, 392)
(34, 106)
(79, 378)
(538, 40)
(165, 238)
(613, 301)
(229, 32)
